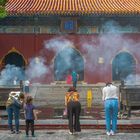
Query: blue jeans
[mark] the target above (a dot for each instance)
(111, 112)
(16, 111)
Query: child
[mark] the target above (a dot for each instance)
(30, 115)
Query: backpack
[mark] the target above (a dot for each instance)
(9, 102)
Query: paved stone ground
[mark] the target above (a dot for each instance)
(86, 134)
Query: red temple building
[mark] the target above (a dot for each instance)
(47, 39)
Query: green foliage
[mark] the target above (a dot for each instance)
(3, 12)
(3, 2)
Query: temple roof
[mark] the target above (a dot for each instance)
(73, 7)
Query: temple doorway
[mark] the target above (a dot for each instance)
(123, 65)
(65, 62)
(14, 58)
(13, 69)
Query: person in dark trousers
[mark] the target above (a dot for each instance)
(73, 110)
(30, 115)
(110, 98)
(13, 105)
(26, 87)
(75, 77)
(21, 86)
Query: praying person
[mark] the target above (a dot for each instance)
(13, 105)
(73, 110)
(110, 98)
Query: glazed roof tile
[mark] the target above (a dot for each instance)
(62, 7)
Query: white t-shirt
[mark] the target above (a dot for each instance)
(15, 82)
(26, 83)
(110, 91)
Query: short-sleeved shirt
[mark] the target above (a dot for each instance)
(74, 76)
(26, 83)
(29, 115)
(110, 92)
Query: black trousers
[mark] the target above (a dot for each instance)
(29, 123)
(74, 109)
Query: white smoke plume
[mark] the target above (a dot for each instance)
(11, 73)
(36, 68)
(110, 41)
(57, 44)
(64, 56)
(132, 79)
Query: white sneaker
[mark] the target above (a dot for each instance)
(70, 133)
(112, 132)
(108, 133)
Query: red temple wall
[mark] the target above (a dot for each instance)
(31, 45)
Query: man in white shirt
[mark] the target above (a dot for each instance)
(110, 98)
(26, 86)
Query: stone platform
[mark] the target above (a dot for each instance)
(86, 134)
(50, 102)
(54, 94)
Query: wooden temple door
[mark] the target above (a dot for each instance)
(67, 60)
(123, 65)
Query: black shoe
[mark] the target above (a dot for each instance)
(12, 132)
(17, 132)
(33, 135)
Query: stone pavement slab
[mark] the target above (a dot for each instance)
(82, 121)
(86, 134)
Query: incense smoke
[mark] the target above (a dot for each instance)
(36, 68)
(11, 73)
(66, 58)
(111, 42)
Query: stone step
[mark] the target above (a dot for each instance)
(85, 124)
(56, 93)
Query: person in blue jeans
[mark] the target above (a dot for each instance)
(13, 106)
(110, 98)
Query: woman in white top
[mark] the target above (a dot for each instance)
(110, 97)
